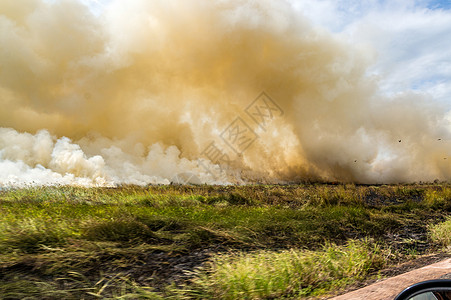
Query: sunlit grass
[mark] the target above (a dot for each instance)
(274, 274)
(281, 241)
(441, 233)
(27, 226)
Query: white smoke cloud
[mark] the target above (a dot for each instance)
(136, 92)
(42, 159)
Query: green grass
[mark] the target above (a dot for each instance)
(29, 226)
(72, 243)
(289, 273)
(441, 233)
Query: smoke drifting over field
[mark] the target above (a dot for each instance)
(137, 95)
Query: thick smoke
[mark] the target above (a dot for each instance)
(139, 93)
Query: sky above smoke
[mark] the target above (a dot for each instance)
(111, 92)
(408, 38)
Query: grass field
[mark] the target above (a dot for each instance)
(205, 242)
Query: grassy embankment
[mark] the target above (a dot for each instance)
(250, 242)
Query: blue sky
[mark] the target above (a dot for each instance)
(439, 4)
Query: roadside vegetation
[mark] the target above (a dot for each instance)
(205, 242)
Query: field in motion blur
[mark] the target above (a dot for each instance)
(215, 242)
(137, 93)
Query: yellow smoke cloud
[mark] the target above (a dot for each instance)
(143, 89)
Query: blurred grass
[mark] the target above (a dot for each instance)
(441, 233)
(47, 233)
(289, 273)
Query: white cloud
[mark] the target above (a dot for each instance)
(96, 6)
(411, 38)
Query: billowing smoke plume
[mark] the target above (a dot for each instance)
(154, 90)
